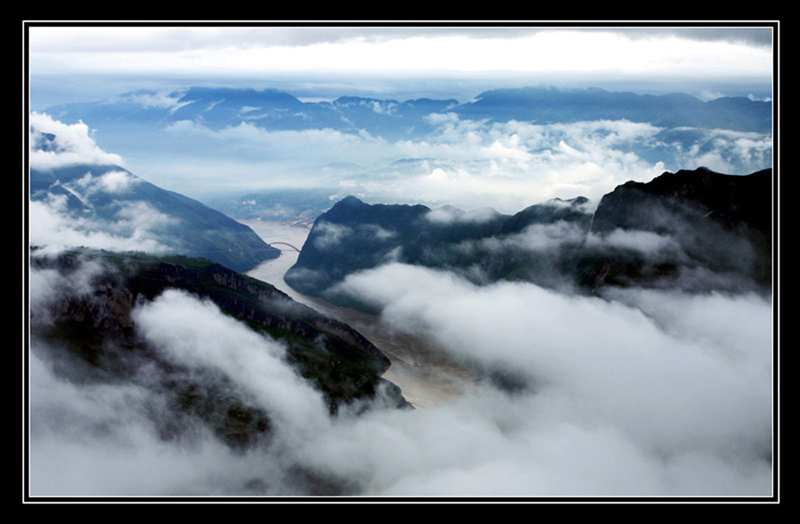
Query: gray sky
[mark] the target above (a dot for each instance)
(90, 62)
(723, 52)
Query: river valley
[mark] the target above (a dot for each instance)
(424, 373)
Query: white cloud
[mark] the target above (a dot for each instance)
(644, 393)
(246, 50)
(281, 148)
(109, 182)
(161, 100)
(645, 242)
(139, 218)
(96, 440)
(71, 145)
(448, 215)
(197, 334)
(190, 128)
(53, 230)
(330, 234)
(513, 165)
(509, 166)
(623, 401)
(731, 152)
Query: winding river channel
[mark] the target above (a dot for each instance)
(426, 376)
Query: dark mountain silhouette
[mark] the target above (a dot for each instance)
(353, 236)
(720, 224)
(694, 230)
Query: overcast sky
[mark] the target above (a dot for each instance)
(564, 53)
(90, 62)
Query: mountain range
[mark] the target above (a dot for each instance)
(205, 122)
(218, 108)
(392, 119)
(106, 199)
(693, 230)
(671, 111)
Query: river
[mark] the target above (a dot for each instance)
(424, 373)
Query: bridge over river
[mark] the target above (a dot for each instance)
(283, 244)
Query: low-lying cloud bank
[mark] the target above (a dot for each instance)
(135, 229)
(648, 393)
(463, 162)
(641, 393)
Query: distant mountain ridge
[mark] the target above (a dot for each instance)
(394, 119)
(549, 105)
(298, 206)
(375, 136)
(218, 108)
(692, 229)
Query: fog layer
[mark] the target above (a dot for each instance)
(638, 393)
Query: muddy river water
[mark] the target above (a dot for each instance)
(424, 373)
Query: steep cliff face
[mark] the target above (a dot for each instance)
(719, 224)
(92, 335)
(731, 201)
